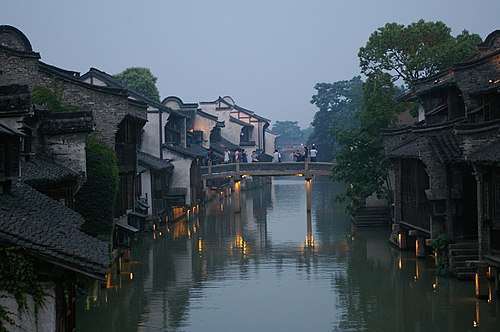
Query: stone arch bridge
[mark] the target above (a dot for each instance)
(239, 171)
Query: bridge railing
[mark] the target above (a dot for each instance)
(267, 168)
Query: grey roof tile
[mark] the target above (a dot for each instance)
(40, 169)
(51, 230)
(155, 163)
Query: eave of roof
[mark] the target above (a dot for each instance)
(489, 155)
(409, 150)
(41, 170)
(239, 122)
(152, 162)
(7, 129)
(111, 80)
(49, 230)
(74, 77)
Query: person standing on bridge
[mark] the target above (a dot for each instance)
(313, 153)
(227, 156)
(255, 156)
(276, 156)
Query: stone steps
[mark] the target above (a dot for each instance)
(459, 253)
(371, 216)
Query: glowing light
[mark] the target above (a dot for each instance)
(434, 286)
(154, 227)
(299, 174)
(476, 283)
(131, 276)
(200, 245)
(400, 239)
(108, 280)
(400, 263)
(476, 322)
(160, 233)
(416, 248)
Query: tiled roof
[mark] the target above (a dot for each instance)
(487, 155)
(50, 231)
(193, 151)
(408, 150)
(115, 83)
(239, 122)
(155, 163)
(446, 147)
(6, 128)
(39, 170)
(67, 122)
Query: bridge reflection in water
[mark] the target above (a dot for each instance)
(239, 171)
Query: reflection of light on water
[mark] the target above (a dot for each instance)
(475, 323)
(400, 262)
(200, 245)
(417, 272)
(490, 295)
(309, 241)
(241, 244)
(476, 283)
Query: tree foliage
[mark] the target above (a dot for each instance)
(338, 104)
(414, 51)
(288, 131)
(95, 200)
(361, 160)
(141, 80)
(392, 52)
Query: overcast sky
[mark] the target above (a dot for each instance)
(266, 54)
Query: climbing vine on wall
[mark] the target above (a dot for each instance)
(95, 201)
(18, 277)
(50, 97)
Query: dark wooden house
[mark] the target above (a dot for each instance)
(446, 167)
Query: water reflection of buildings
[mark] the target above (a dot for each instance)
(179, 260)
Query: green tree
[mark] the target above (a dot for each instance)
(289, 132)
(338, 104)
(392, 52)
(95, 200)
(141, 80)
(414, 51)
(361, 160)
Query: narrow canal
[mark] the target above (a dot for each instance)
(274, 268)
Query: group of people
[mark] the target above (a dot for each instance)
(310, 155)
(239, 155)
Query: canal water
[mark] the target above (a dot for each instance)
(273, 267)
